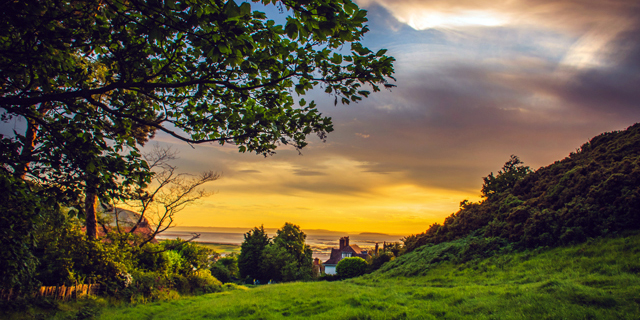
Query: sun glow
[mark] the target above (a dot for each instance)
(429, 19)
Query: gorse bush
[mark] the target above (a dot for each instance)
(593, 192)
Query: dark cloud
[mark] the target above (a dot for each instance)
(249, 171)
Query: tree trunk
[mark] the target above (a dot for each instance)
(27, 149)
(90, 210)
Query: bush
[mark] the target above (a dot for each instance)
(329, 277)
(221, 273)
(203, 282)
(378, 260)
(351, 267)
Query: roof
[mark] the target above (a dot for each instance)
(336, 254)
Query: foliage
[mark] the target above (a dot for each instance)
(66, 256)
(591, 193)
(377, 260)
(278, 264)
(250, 258)
(230, 262)
(351, 267)
(23, 212)
(226, 269)
(288, 257)
(512, 172)
(94, 80)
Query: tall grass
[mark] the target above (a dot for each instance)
(599, 279)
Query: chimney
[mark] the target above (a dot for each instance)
(376, 251)
(342, 243)
(346, 241)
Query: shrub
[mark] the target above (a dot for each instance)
(203, 282)
(378, 260)
(351, 267)
(221, 273)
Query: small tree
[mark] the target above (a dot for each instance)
(351, 267)
(250, 258)
(512, 172)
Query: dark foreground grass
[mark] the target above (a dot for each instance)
(596, 280)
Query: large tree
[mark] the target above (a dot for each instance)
(93, 80)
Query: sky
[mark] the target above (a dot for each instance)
(477, 81)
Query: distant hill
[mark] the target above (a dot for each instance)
(126, 218)
(594, 191)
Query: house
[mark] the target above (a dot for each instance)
(346, 250)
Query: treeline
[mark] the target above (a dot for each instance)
(593, 192)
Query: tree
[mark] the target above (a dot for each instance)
(292, 239)
(171, 193)
(512, 172)
(288, 258)
(251, 249)
(93, 80)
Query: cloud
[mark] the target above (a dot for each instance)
(550, 77)
(249, 171)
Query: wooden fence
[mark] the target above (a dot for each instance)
(58, 292)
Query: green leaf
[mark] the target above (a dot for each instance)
(350, 7)
(245, 9)
(291, 29)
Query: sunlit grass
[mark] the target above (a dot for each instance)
(222, 248)
(596, 280)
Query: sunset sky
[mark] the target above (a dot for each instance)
(477, 82)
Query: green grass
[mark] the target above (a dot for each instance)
(222, 248)
(599, 279)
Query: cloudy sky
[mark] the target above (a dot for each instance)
(477, 81)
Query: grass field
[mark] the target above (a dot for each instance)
(599, 279)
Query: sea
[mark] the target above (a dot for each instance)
(321, 241)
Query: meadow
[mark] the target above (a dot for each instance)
(599, 279)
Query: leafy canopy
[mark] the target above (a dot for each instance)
(94, 79)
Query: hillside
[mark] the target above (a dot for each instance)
(593, 192)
